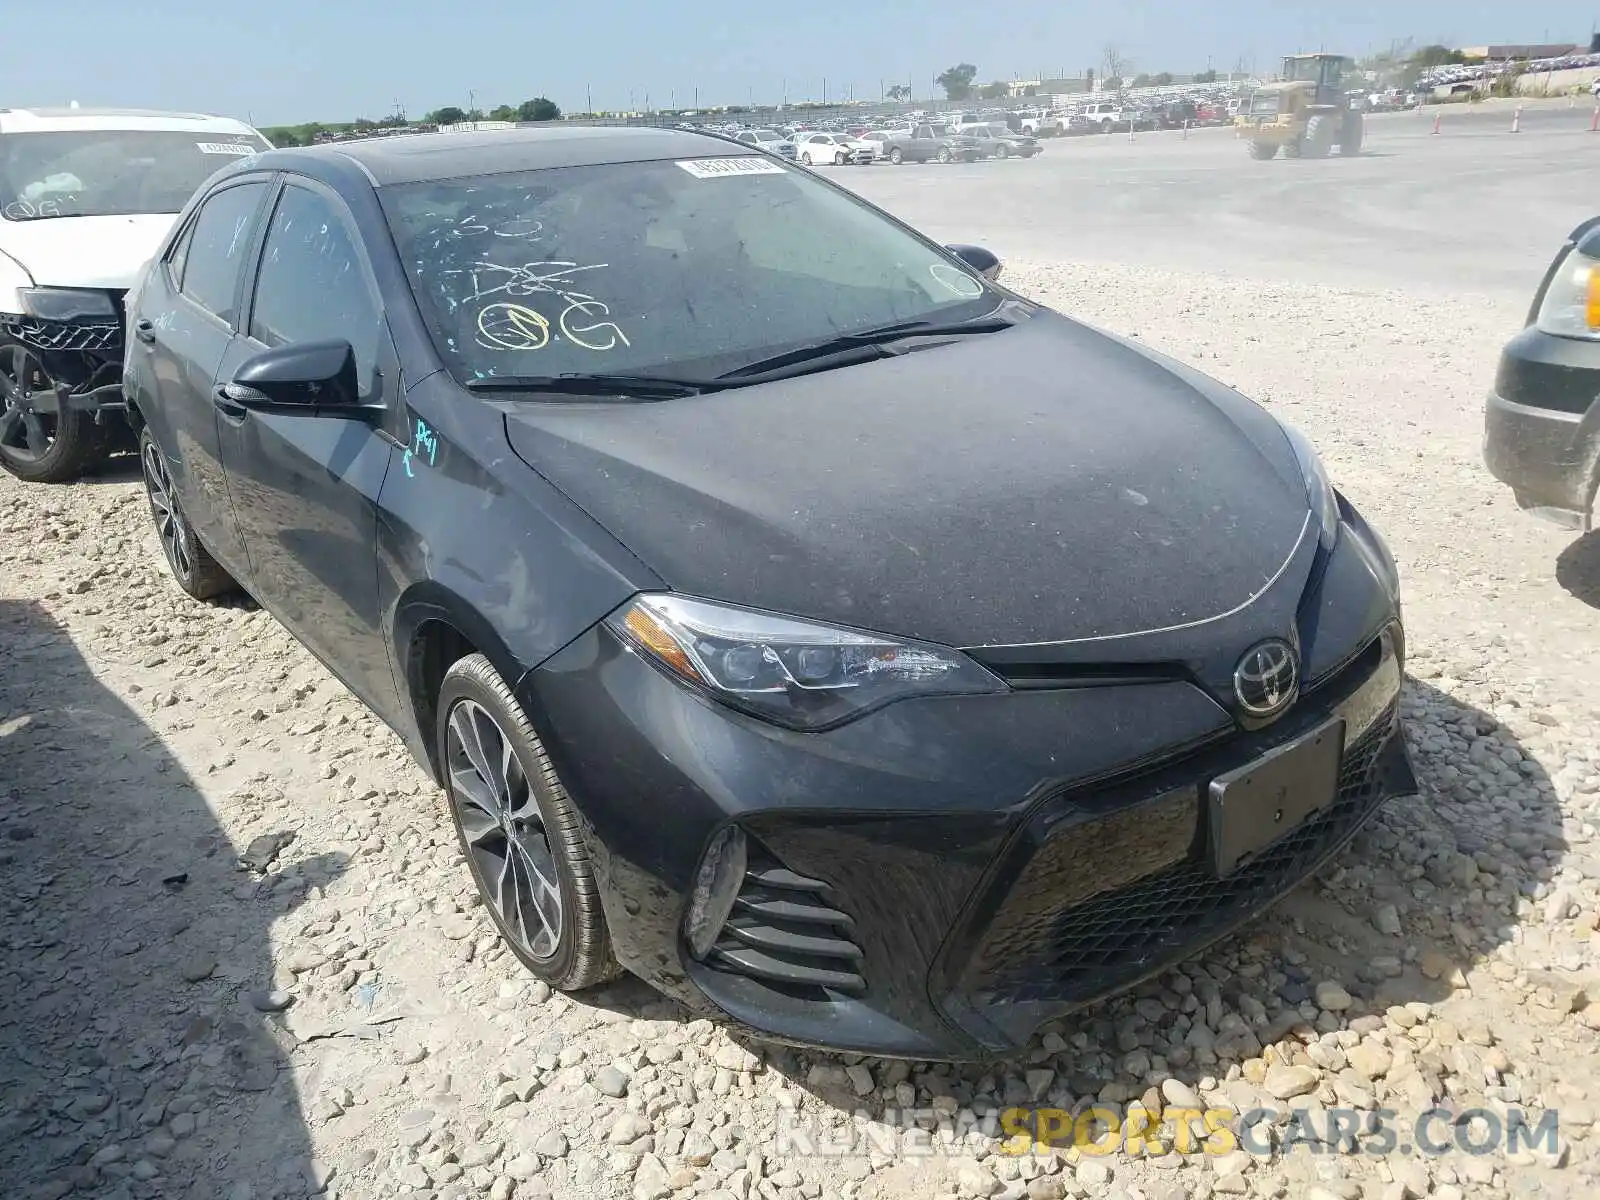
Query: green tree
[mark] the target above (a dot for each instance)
(1111, 83)
(448, 115)
(1164, 79)
(502, 112)
(957, 80)
(899, 92)
(538, 109)
(1141, 81)
(1206, 77)
(994, 91)
(281, 135)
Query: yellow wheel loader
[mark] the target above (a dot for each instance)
(1305, 115)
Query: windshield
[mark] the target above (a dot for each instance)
(1264, 104)
(696, 267)
(110, 172)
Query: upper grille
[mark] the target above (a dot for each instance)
(101, 334)
(1038, 953)
(785, 931)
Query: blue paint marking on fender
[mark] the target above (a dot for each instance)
(424, 441)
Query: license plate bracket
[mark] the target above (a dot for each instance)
(1254, 805)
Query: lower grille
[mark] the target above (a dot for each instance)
(785, 931)
(1073, 955)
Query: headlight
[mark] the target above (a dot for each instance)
(66, 304)
(1319, 489)
(1571, 306)
(791, 672)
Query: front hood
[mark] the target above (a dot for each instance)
(1045, 483)
(86, 252)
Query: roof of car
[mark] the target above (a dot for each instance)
(415, 158)
(38, 120)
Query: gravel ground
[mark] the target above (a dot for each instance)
(240, 957)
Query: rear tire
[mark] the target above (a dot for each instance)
(1002, 151)
(41, 439)
(538, 813)
(1319, 137)
(191, 564)
(896, 157)
(805, 158)
(944, 155)
(1263, 150)
(1355, 129)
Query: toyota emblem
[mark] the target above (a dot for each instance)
(1266, 677)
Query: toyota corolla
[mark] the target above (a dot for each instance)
(792, 615)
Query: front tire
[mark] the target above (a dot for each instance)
(42, 440)
(806, 158)
(1263, 151)
(519, 831)
(944, 154)
(1002, 151)
(896, 157)
(191, 564)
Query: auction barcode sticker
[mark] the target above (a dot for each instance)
(224, 148)
(715, 168)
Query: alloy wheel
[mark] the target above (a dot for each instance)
(508, 847)
(170, 526)
(30, 410)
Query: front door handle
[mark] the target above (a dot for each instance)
(144, 329)
(227, 405)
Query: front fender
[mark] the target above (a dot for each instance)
(470, 535)
(13, 278)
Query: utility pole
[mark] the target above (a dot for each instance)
(472, 103)
(588, 98)
(824, 90)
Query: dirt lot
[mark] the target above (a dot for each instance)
(239, 956)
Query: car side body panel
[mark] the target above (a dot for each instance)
(536, 572)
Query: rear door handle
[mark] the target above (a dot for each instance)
(144, 329)
(227, 405)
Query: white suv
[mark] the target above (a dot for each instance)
(86, 196)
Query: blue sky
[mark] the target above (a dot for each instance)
(296, 60)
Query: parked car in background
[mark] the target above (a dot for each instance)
(812, 149)
(1108, 115)
(86, 196)
(767, 139)
(1542, 420)
(924, 143)
(1041, 123)
(833, 750)
(994, 143)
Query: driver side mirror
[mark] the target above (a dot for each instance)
(304, 379)
(984, 262)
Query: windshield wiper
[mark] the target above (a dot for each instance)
(644, 387)
(821, 354)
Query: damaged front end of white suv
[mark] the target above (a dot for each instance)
(86, 197)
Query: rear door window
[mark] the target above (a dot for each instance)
(214, 257)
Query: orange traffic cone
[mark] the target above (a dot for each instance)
(1594, 121)
(1437, 117)
(1516, 120)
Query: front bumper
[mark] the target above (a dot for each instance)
(1542, 424)
(82, 358)
(917, 884)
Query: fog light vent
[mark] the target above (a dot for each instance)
(784, 930)
(716, 886)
